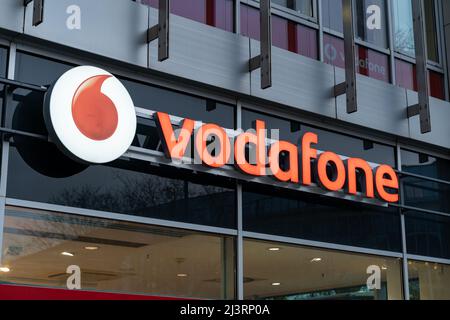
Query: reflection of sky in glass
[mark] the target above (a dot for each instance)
(403, 21)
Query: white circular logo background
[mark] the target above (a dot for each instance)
(88, 145)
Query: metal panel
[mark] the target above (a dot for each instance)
(11, 15)
(112, 28)
(205, 54)
(298, 81)
(440, 117)
(381, 106)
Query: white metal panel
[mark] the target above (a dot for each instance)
(297, 81)
(111, 28)
(381, 106)
(203, 53)
(11, 15)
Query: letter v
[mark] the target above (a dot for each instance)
(174, 148)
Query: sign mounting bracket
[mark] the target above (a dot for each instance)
(422, 109)
(38, 11)
(348, 87)
(264, 60)
(161, 30)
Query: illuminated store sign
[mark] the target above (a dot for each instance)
(331, 172)
(91, 116)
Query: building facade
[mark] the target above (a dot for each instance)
(145, 226)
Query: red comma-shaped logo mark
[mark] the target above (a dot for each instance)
(94, 114)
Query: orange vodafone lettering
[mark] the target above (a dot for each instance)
(326, 169)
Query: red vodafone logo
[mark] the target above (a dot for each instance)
(94, 113)
(91, 115)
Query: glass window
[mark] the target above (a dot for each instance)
(124, 186)
(275, 271)
(369, 62)
(180, 104)
(403, 27)
(404, 30)
(368, 14)
(406, 78)
(425, 194)
(115, 256)
(341, 144)
(332, 15)
(286, 34)
(299, 215)
(3, 61)
(26, 105)
(431, 31)
(217, 13)
(428, 281)
(373, 64)
(427, 234)
(425, 165)
(301, 6)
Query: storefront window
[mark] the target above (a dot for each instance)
(427, 234)
(298, 215)
(425, 194)
(276, 271)
(3, 61)
(180, 104)
(425, 165)
(124, 186)
(371, 23)
(428, 281)
(404, 30)
(406, 78)
(342, 144)
(115, 256)
(286, 34)
(217, 13)
(369, 62)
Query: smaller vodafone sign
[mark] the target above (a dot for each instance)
(90, 115)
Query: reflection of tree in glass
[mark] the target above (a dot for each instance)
(404, 41)
(134, 195)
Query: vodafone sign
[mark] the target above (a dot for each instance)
(90, 115)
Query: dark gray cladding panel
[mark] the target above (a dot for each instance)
(203, 53)
(440, 122)
(11, 15)
(111, 28)
(381, 106)
(297, 81)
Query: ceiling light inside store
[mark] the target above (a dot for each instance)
(91, 248)
(68, 254)
(316, 259)
(276, 284)
(274, 249)
(182, 275)
(4, 269)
